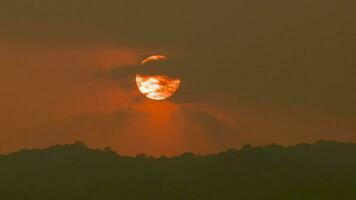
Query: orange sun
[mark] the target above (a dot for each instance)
(157, 87)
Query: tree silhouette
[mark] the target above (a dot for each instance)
(324, 170)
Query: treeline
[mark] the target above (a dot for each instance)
(324, 170)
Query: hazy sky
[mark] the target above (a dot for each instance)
(252, 72)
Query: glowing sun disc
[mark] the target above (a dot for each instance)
(157, 87)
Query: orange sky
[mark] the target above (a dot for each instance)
(252, 72)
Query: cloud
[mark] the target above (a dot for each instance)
(255, 51)
(60, 58)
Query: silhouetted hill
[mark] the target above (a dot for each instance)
(325, 170)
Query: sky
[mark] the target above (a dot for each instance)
(252, 72)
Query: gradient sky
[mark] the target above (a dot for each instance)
(252, 72)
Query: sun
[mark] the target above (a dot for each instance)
(156, 87)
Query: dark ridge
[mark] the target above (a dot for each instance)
(324, 170)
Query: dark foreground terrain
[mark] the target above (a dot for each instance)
(325, 170)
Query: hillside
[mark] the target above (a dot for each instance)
(324, 170)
